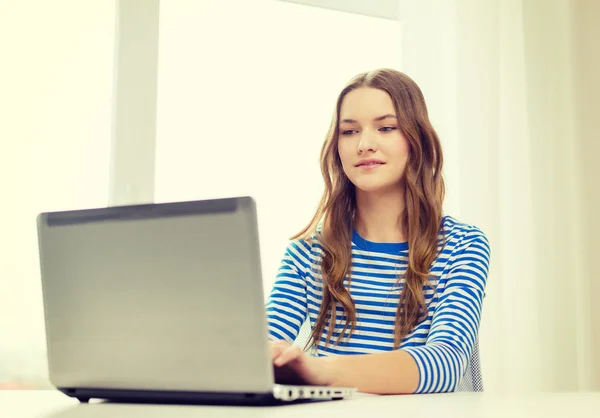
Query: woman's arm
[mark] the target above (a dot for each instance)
(393, 372)
(286, 305)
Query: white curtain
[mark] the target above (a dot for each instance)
(499, 80)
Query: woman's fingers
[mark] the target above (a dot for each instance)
(276, 347)
(287, 355)
(283, 352)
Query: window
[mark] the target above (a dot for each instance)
(245, 100)
(55, 137)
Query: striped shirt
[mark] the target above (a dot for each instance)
(441, 345)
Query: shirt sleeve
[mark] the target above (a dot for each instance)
(287, 304)
(443, 360)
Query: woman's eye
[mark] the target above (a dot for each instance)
(387, 128)
(348, 132)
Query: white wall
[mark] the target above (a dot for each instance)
(55, 96)
(245, 100)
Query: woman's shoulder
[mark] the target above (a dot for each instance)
(461, 234)
(307, 243)
(303, 251)
(467, 249)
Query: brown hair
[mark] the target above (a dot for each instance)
(422, 217)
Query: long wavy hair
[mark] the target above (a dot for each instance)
(423, 189)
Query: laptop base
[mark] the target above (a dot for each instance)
(84, 395)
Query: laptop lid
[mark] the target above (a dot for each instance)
(155, 297)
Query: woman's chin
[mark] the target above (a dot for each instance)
(374, 187)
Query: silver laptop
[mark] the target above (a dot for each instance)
(160, 302)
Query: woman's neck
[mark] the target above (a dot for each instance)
(379, 216)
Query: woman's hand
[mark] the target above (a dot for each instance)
(294, 367)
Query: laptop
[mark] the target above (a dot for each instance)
(160, 303)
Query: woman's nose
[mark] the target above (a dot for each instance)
(366, 143)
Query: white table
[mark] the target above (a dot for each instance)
(53, 404)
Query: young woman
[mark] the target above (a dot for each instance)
(392, 288)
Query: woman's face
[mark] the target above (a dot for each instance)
(371, 147)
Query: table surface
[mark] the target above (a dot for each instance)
(53, 404)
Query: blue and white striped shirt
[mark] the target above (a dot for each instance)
(441, 345)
